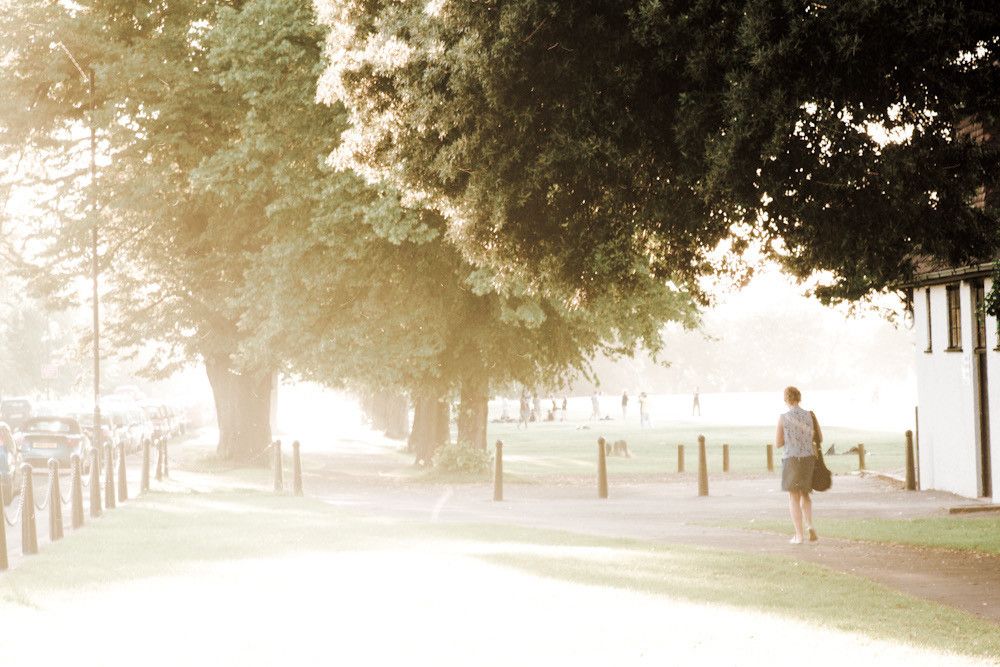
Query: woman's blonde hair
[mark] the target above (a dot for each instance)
(792, 395)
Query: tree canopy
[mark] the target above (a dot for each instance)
(582, 140)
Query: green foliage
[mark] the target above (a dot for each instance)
(459, 457)
(590, 143)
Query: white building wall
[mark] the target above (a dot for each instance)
(946, 396)
(993, 361)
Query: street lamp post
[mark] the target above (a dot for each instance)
(88, 75)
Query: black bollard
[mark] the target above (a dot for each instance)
(702, 467)
(602, 468)
(725, 458)
(55, 503)
(29, 532)
(76, 492)
(770, 458)
(498, 473)
(680, 458)
(109, 478)
(144, 475)
(911, 469)
(122, 480)
(296, 469)
(276, 467)
(159, 461)
(861, 456)
(95, 483)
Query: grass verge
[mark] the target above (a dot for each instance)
(961, 533)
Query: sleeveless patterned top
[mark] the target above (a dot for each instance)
(798, 426)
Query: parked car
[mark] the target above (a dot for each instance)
(44, 438)
(160, 419)
(13, 411)
(109, 433)
(10, 472)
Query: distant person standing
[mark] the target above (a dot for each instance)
(624, 404)
(696, 404)
(525, 414)
(562, 417)
(797, 432)
(643, 410)
(595, 405)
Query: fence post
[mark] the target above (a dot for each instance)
(144, 475)
(76, 492)
(109, 478)
(4, 563)
(498, 473)
(725, 458)
(55, 503)
(276, 466)
(95, 483)
(29, 532)
(159, 461)
(861, 456)
(770, 458)
(702, 467)
(911, 473)
(680, 458)
(602, 468)
(296, 469)
(122, 481)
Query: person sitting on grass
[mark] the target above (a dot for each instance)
(797, 431)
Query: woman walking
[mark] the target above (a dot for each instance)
(797, 432)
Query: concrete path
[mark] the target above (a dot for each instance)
(370, 476)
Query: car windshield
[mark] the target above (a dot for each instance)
(51, 425)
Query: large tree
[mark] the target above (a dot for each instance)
(581, 140)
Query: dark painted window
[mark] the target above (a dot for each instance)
(954, 318)
(927, 297)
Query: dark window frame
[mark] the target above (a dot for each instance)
(953, 299)
(978, 300)
(930, 335)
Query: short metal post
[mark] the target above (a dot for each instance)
(680, 458)
(296, 469)
(602, 468)
(276, 467)
(76, 492)
(911, 472)
(861, 456)
(725, 458)
(55, 503)
(498, 472)
(29, 532)
(95, 483)
(770, 458)
(144, 475)
(702, 467)
(109, 478)
(122, 481)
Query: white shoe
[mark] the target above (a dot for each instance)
(795, 540)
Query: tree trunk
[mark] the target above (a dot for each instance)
(396, 416)
(430, 426)
(242, 408)
(473, 412)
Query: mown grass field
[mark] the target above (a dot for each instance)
(570, 448)
(290, 567)
(963, 533)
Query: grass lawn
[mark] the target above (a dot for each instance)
(244, 577)
(566, 448)
(965, 533)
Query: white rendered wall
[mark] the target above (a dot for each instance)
(993, 361)
(946, 396)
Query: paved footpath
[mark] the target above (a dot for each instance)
(370, 477)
